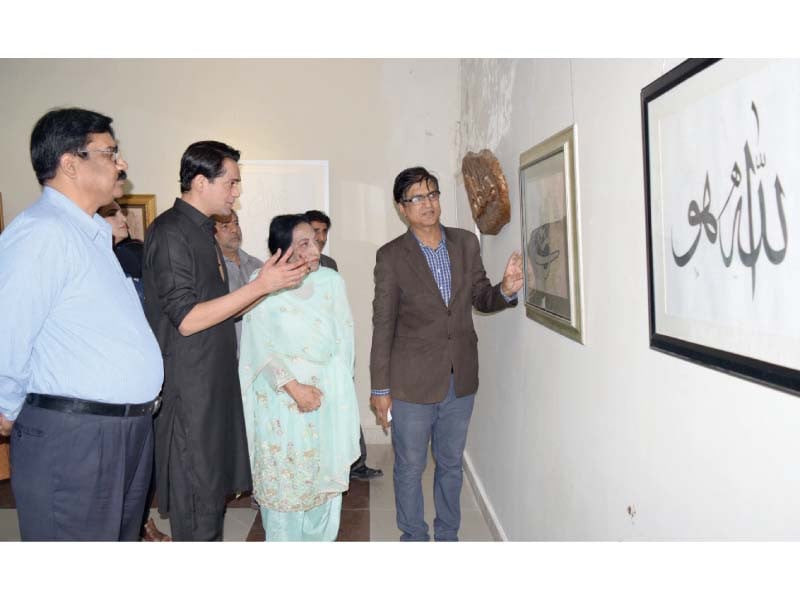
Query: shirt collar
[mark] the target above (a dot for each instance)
(90, 226)
(231, 261)
(442, 242)
(194, 215)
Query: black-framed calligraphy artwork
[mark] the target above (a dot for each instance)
(550, 234)
(722, 202)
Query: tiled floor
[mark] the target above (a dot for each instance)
(368, 512)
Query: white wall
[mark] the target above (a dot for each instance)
(369, 118)
(566, 437)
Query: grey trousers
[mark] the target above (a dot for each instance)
(80, 477)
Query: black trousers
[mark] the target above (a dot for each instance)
(361, 461)
(80, 477)
(194, 515)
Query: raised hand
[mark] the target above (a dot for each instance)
(278, 273)
(512, 276)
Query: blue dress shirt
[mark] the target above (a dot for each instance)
(439, 263)
(438, 260)
(71, 323)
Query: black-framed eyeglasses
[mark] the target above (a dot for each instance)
(432, 196)
(112, 153)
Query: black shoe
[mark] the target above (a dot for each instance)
(365, 474)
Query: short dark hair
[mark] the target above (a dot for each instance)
(280, 231)
(109, 210)
(225, 218)
(411, 176)
(62, 131)
(205, 158)
(319, 216)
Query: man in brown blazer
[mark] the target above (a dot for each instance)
(424, 359)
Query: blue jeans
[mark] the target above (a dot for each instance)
(443, 424)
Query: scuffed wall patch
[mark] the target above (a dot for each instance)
(487, 85)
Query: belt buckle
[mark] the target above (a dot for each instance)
(156, 405)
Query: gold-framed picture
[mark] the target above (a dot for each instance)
(551, 234)
(139, 210)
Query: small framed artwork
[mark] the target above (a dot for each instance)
(140, 210)
(721, 142)
(550, 234)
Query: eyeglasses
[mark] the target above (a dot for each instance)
(112, 153)
(432, 196)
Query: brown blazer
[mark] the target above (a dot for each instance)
(416, 339)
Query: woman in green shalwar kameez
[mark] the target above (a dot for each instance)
(300, 408)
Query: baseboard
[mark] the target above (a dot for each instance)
(482, 499)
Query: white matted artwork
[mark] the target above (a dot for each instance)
(277, 187)
(721, 185)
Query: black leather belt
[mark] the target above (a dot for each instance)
(90, 407)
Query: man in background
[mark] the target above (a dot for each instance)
(321, 224)
(240, 264)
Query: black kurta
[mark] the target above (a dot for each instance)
(182, 265)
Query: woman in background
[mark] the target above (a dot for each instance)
(129, 251)
(296, 369)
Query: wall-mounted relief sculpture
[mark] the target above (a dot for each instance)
(487, 191)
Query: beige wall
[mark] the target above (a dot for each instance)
(368, 118)
(566, 437)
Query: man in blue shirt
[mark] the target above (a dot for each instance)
(79, 366)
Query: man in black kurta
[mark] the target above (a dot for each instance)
(201, 445)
